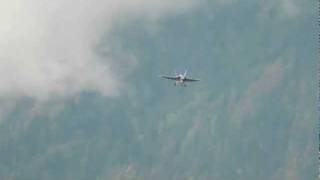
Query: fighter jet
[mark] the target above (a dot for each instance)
(180, 79)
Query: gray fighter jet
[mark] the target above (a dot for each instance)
(180, 79)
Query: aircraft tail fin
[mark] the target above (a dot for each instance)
(175, 73)
(185, 73)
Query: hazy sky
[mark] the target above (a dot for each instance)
(80, 96)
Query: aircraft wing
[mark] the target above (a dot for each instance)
(170, 77)
(190, 80)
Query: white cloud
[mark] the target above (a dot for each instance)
(281, 9)
(290, 7)
(47, 47)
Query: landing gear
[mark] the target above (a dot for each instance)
(178, 83)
